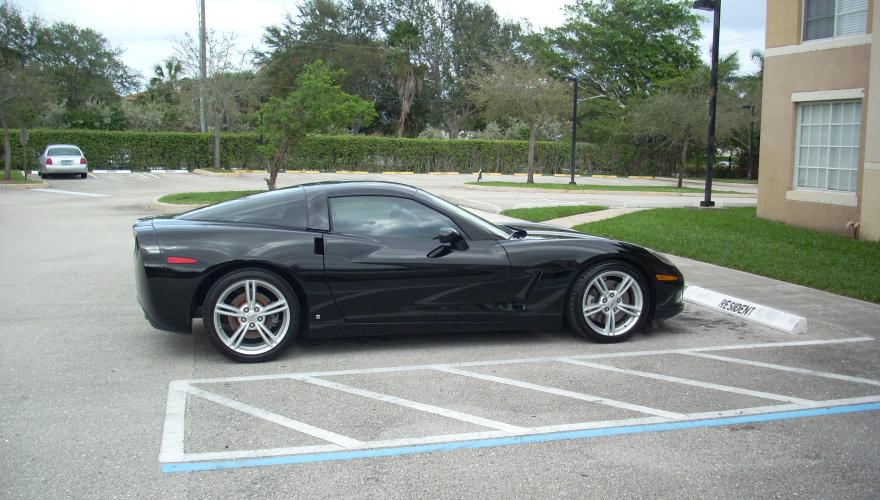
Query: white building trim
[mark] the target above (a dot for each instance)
(817, 45)
(826, 197)
(828, 95)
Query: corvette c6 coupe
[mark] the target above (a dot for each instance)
(367, 258)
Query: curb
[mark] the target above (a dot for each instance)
(603, 192)
(743, 309)
(19, 186)
(172, 208)
(200, 171)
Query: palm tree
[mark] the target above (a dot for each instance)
(165, 82)
(406, 74)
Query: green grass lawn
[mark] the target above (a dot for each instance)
(595, 187)
(18, 178)
(540, 214)
(203, 198)
(735, 238)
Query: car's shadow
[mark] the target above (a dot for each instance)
(420, 343)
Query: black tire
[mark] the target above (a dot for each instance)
(83, 175)
(251, 345)
(588, 308)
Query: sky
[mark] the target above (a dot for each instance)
(146, 30)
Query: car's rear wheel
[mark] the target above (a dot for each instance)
(609, 302)
(83, 175)
(251, 315)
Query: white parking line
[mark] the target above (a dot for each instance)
(694, 383)
(93, 176)
(142, 176)
(436, 410)
(332, 437)
(153, 176)
(74, 193)
(566, 393)
(544, 359)
(792, 369)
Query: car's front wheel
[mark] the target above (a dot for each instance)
(251, 315)
(609, 302)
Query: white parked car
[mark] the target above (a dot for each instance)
(63, 159)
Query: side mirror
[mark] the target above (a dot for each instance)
(451, 237)
(448, 235)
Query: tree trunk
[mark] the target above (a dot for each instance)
(7, 150)
(217, 120)
(684, 155)
(533, 133)
(277, 164)
(24, 158)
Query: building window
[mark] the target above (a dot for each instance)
(828, 139)
(831, 18)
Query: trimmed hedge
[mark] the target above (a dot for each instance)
(143, 150)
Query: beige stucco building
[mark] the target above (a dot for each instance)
(820, 122)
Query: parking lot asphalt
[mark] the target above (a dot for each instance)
(95, 403)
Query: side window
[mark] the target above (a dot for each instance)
(282, 207)
(386, 216)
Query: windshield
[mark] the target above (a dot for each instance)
(67, 151)
(474, 219)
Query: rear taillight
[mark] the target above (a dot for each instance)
(82, 161)
(48, 161)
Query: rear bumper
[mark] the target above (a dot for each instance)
(64, 169)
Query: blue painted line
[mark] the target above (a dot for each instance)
(513, 440)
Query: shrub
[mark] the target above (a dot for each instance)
(143, 150)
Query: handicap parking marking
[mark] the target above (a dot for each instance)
(174, 458)
(686, 381)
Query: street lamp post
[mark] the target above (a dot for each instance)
(713, 5)
(751, 140)
(574, 115)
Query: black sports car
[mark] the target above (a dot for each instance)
(358, 258)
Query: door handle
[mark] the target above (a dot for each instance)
(319, 245)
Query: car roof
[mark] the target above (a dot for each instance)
(62, 146)
(376, 188)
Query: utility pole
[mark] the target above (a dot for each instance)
(751, 140)
(203, 66)
(574, 117)
(715, 6)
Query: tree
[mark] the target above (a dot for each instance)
(316, 105)
(22, 89)
(622, 48)
(523, 91)
(406, 73)
(83, 69)
(677, 114)
(230, 89)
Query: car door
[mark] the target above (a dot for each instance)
(384, 265)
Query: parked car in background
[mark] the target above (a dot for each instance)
(63, 159)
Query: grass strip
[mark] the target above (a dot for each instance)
(596, 187)
(204, 197)
(18, 178)
(540, 214)
(736, 238)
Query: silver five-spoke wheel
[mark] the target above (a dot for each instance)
(250, 314)
(612, 303)
(609, 302)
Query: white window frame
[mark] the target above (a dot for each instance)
(835, 35)
(820, 195)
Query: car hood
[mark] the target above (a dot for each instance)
(535, 230)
